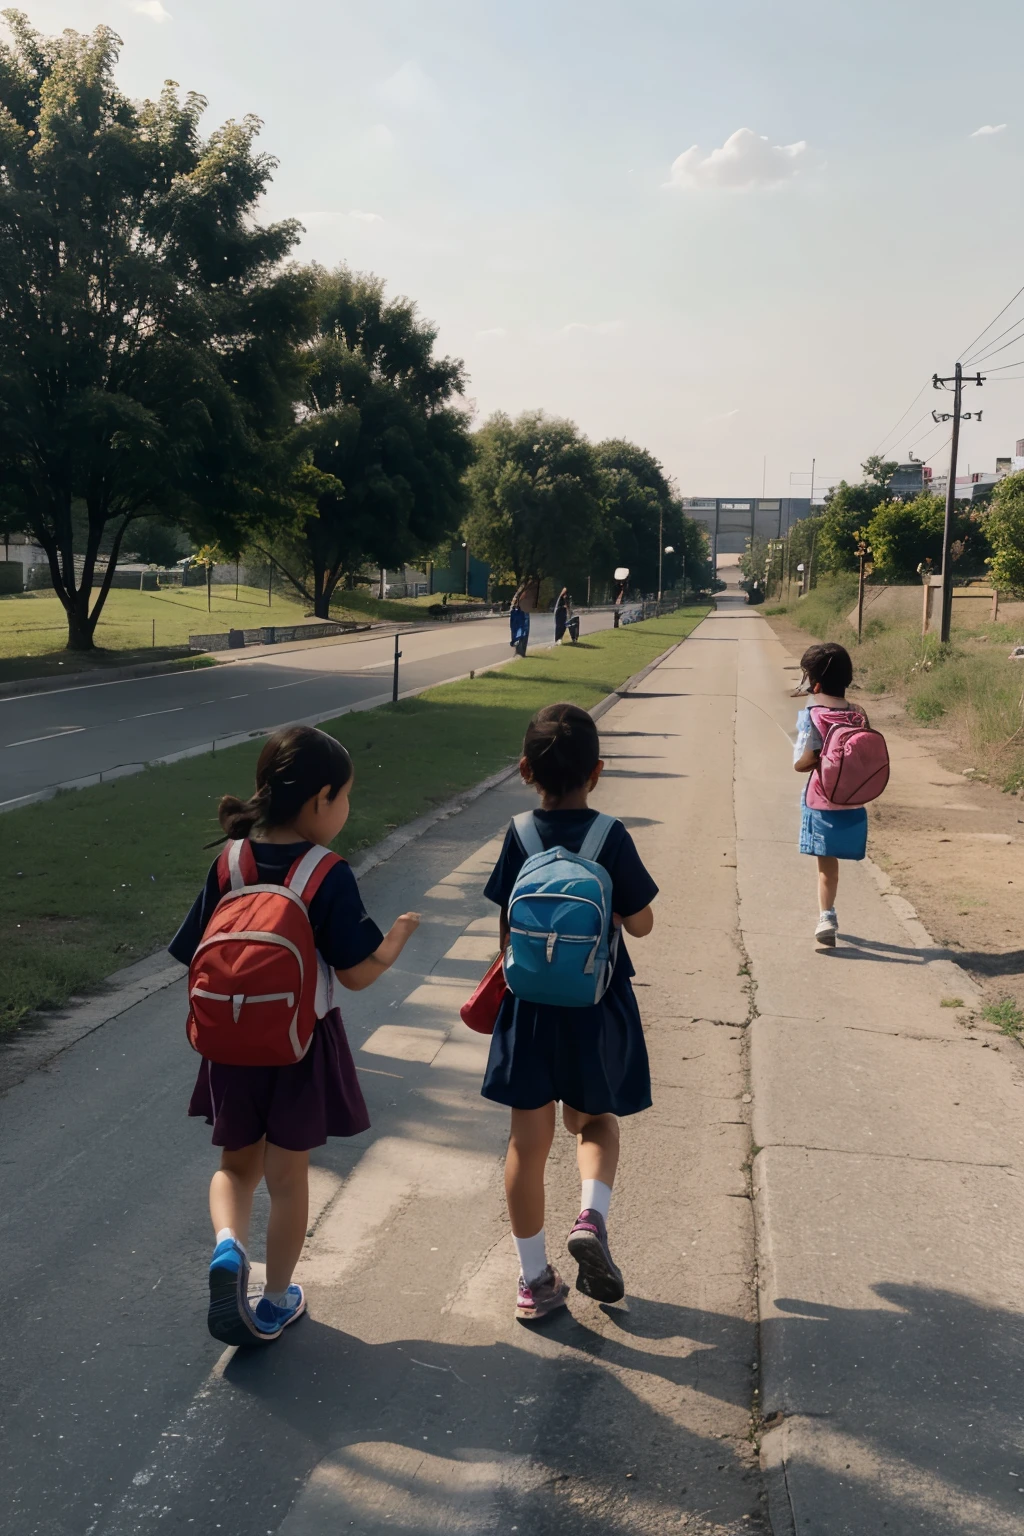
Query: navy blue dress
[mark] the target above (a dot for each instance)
(592, 1059)
(296, 1107)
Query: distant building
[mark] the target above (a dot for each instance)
(906, 481)
(731, 521)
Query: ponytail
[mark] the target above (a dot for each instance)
(295, 765)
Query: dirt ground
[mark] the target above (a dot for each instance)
(954, 846)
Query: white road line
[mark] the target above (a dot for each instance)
(235, 696)
(297, 684)
(150, 712)
(68, 730)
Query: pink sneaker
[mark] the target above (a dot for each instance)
(599, 1276)
(541, 1297)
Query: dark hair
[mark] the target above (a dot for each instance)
(294, 766)
(830, 665)
(562, 748)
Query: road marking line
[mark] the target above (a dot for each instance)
(150, 712)
(66, 730)
(297, 684)
(236, 696)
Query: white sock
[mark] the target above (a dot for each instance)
(279, 1298)
(533, 1255)
(596, 1197)
(223, 1235)
(828, 912)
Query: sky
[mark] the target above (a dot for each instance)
(742, 233)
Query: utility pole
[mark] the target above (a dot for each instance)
(956, 381)
(811, 503)
(862, 554)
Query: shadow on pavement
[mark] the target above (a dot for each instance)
(917, 1413)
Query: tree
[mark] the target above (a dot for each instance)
(848, 509)
(1004, 527)
(147, 330)
(536, 498)
(385, 438)
(902, 534)
(639, 501)
(878, 472)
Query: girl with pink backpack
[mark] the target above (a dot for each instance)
(848, 765)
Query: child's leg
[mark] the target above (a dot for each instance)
(828, 883)
(287, 1176)
(597, 1154)
(529, 1143)
(232, 1188)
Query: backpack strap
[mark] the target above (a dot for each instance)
(527, 833)
(236, 865)
(309, 871)
(597, 836)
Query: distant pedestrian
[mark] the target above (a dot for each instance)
(519, 620)
(561, 613)
(827, 832)
(591, 1059)
(270, 1095)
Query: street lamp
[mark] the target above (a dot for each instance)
(465, 545)
(668, 550)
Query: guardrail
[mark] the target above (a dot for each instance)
(274, 634)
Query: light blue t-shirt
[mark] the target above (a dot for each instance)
(807, 735)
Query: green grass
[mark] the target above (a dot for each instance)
(1006, 1016)
(360, 604)
(34, 624)
(100, 877)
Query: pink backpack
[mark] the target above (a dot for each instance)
(854, 764)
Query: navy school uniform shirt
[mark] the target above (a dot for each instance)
(343, 931)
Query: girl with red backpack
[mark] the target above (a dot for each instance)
(278, 920)
(847, 765)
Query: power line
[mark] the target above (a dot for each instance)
(910, 429)
(906, 413)
(973, 358)
(925, 435)
(992, 322)
(992, 352)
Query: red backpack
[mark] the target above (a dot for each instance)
(853, 767)
(256, 985)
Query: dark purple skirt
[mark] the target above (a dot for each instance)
(294, 1107)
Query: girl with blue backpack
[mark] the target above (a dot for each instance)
(279, 920)
(569, 882)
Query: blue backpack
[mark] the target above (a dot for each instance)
(562, 943)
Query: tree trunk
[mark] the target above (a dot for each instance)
(81, 627)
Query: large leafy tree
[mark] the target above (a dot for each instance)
(1004, 527)
(641, 506)
(148, 332)
(384, 434)
(536, 499)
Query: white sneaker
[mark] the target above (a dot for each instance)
(828, 927)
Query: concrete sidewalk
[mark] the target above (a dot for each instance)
(889, 1196)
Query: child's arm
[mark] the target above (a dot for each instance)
(363, 975)
(807, 760)
(639, 925)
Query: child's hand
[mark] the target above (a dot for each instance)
(406, 925)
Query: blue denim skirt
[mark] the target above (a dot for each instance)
(834, 834)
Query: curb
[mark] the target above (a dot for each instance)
(43, 1037)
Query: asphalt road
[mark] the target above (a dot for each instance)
(56, 736)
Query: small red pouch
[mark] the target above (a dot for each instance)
(481, 1011)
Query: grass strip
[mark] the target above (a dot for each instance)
(97, 878)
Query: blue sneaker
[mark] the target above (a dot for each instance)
(271, 1320)
(230, 1318)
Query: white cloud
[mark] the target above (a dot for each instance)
(722, 416)
(365, 218)
(746, 160)
(151, 8)
(493, 333)
(600, 328)
(986, 129)
(410, 89)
